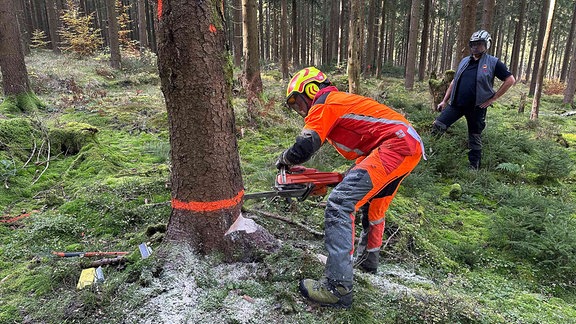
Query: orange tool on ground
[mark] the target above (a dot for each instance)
(87, 254)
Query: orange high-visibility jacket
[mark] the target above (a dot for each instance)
(354, 125)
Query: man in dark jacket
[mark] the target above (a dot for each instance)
(471, 93)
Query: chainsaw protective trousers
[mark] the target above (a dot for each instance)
(373, 183)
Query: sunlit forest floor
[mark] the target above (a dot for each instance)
(496, 245)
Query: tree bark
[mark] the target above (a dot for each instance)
(569, 42)
(371, 38)
(14, 74)
(237, 27)
(423, 62)
(142, 26)
(571, 82)
(467, 23)
(412, 45)
(488, 14)
(53, 24)
(355, 45)
(284, 39)
(538, 56)
(251, 79)
(541, 70)
(195, 77)
(515, 59)
(113, 36)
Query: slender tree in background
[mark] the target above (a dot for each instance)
(15, 82)
(412, 45)
(516, 46)
(540, 74)
(53, 25)
(195, 75)
(354, 45)
(114, 42)
(422, 63)
(569, 42)
(142, 26)
(467, 27)
(284, 39)
(237, 27)
(488, 14)
(571, 82)
(251, 78)
(539, 55)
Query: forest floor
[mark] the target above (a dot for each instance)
(496, 245)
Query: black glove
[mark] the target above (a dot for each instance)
(282, 162)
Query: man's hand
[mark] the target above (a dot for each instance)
(282, 163)
(441, 106)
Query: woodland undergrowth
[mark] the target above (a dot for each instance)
(90, 172)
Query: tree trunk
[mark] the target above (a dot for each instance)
(237, 26)
(515, 59)
(295, 34)
(15, 82)
(569, 42)
(251, 79)
(488, 14)
(412, 45)
(382, 40)
(423, 62)
(371, 39)
(284, 39)
(113, 37)
(195, 75)
(571, 82)
(344, 30)
(467, 24)
(355, 45)
(142, 26)
(538, 55)
(53, 24)
(541, 70)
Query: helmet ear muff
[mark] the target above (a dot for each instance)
(311, 89)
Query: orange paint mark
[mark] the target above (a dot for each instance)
(199, 206)
(212, 28)
(159, 9)
(9, 219)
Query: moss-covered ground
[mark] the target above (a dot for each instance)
(90, 172)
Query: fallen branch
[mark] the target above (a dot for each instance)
(284, 219)
(388, 240)
(47, 164)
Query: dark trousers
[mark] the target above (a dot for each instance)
(476, 121)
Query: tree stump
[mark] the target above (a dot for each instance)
(438, 88)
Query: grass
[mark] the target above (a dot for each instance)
(499, 252)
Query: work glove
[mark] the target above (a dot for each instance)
(282, 162)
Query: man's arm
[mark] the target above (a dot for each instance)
(444, 102)
(508, 82)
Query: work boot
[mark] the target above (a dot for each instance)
(368, 262)
(326, 293)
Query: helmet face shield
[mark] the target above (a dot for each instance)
(299, 104)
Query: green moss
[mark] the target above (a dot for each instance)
(70, 138)
(24, 102)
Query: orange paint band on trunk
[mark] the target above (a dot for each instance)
(159, 9)
(199, 206)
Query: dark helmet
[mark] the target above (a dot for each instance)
(482, 35)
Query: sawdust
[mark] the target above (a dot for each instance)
(191, 290)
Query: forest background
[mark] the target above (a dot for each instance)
(87, 165)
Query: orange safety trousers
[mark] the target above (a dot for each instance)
(372, 182)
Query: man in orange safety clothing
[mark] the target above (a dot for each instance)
(386, 149)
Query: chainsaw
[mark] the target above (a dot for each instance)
(299, 182)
